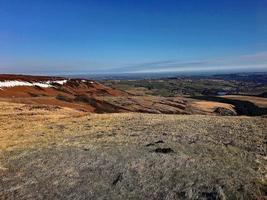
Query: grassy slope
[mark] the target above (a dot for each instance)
(51, 153)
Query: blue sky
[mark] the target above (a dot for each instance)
(99, 36)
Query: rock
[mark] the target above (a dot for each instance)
(225, 111)
(118, 179)
(264, 95)
(163, 150)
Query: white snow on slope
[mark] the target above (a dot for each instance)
(45, 84)
(58, 82)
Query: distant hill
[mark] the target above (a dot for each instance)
(106, 97)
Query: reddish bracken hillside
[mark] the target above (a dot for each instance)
(91, 96)
(74, 93)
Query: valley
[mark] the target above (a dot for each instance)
(63, 138)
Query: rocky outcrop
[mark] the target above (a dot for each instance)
(225, 111)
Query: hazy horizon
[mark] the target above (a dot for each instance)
(126, 36)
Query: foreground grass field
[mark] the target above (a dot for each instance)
(49, 152)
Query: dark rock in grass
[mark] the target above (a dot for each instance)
(163, 150)
(118, 179)
(159, 142)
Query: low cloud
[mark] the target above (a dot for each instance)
(250, 62)
(257, 61)
(255, 57)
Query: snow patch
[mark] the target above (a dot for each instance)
(15, 83)
(61, 82)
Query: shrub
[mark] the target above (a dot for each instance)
(86, 99)
(63, 98)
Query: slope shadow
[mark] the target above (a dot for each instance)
(241, 107)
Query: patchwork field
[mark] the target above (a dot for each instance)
(48, 152)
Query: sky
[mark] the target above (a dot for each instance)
(132, 36)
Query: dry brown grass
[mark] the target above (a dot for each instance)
(57, 153)
(209, 106)
(22, 125)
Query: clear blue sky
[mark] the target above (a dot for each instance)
(84, 36)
